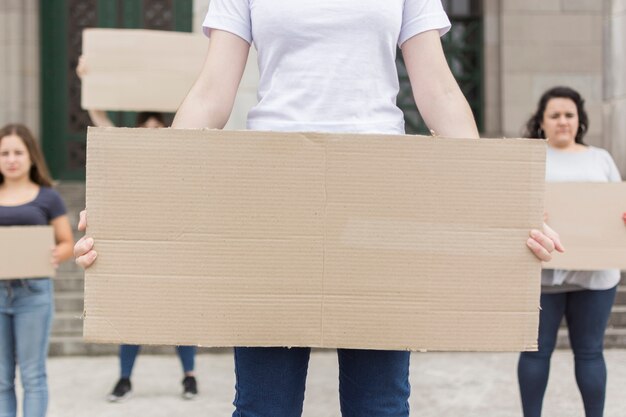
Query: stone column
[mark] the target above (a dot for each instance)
(19, 65)
(615, 81)
(492, 72)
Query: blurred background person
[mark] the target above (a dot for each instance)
(584, 298)
(27, 305)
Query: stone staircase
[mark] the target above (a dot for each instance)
(67, 327)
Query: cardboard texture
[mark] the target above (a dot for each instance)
(26, 252)
(140, 70)
(588, 218)
(246, 238)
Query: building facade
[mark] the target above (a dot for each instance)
(515, 50)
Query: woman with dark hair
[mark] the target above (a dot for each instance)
(27, 305)
(326, 66)
(584, 298)
(563, 95)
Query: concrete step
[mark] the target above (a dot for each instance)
(69, 301)
(615, 338)
(68, 284)
(74, 345)
(69, 277)
(620, 298)
(618, 316)
(67, 323)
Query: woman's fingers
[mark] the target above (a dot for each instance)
(546, 242)
(81, 68)
(82, 221)
(54, 259)
(84, 253)
(540, 252)
(554, 236)
(542, 244)
(87, 260)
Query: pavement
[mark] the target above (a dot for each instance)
(443, 385)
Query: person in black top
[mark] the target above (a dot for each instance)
(27, 305)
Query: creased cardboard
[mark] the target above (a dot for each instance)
(246, 238)
(588, 218)
(26, 252)
(139, 70)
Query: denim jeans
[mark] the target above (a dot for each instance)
(587, 313)
(128, 354)
(270, 382)
(26, 310)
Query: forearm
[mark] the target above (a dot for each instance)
(200, 110)
(100, 118)
(446, 112)
(212, 96)
(436, 92)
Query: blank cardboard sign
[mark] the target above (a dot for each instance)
(589, 219)
(246, 238)
(139, 70)
(25, 252)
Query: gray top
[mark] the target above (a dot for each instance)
(593, 165)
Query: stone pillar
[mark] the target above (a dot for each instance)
(492, 75)
(615, 81)
(19, 65)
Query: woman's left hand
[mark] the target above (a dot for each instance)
(542, 244)
(55, 260)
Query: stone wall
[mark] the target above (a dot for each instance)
(615, 81)
(544, 43)
(19, 63)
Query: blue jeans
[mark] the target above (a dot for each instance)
(587, 314)
(128, 354)
(270, 382)
(26, 310)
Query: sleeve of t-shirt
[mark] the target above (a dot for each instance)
(55, 206)
(231, 16)
(613, 172)
(420, 16)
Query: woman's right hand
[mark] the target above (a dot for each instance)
(83, 249)
(81, 68)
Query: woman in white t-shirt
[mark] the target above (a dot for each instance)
(584, 298)
(327, 66)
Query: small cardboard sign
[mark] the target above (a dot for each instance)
(139, 70)
(589, 218)
(26, 251)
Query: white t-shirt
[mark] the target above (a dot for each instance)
(593, 165)
(327, 65)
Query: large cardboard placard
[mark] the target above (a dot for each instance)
(589, 220)
(139, 70)
(25, 252)
(246, 238)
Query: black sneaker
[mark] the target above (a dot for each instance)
(190, 388)
(121, 391)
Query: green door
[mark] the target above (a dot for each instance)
(63, 122)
